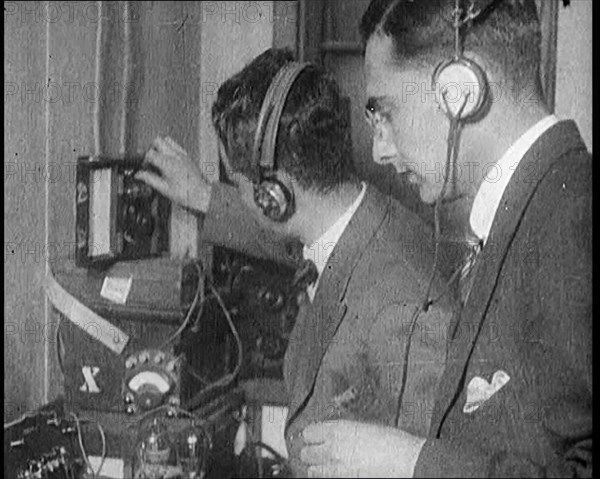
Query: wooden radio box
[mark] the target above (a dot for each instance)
(144, 302)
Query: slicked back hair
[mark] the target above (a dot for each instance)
(313, 141)
(506, 33)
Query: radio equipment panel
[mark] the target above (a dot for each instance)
(117, 217)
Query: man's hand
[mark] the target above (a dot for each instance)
(180, 180)
(354, 449)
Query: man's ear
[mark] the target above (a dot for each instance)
(235, 177)
(225, 165)
(245, 189)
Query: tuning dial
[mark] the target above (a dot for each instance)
(152, 381)
(131, 362)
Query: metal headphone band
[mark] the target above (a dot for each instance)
(460, 62)
(272, 197)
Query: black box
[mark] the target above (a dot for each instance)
(117, 217)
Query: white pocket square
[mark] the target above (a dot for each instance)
(479, 390)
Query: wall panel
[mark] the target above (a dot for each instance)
(25, 95)
(574, 86)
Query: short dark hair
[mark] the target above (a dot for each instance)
(507, 32)
(313, 138)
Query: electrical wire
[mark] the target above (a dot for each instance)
(261, 445)
(58, 350)
(453, 278)
(201, 297)
(196, 324)
(103, 457)
(223, 381)
(195, 327)
(82, 448)
(268, 448)
(198, 296)
(201, 379)
(227, 379)
(451, 154)
(27, 415)
(192, 371)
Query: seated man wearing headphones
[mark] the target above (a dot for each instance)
(363, 346)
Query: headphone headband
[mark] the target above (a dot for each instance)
(263, 154)
(461, 71)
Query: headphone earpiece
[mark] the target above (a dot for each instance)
(274, 199)
(271, 195)
(462, 88)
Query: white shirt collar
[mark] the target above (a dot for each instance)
(320, 251)
(496, 180)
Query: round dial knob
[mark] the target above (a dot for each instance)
(149, 397)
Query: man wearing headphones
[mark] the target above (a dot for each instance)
(285, 146)
(515, 396)
(515, 399)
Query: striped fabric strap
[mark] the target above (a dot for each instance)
(93, 324)
(466, 282)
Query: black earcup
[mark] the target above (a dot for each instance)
(274, 200)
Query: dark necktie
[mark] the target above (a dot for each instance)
(466, 276)
(306, 274)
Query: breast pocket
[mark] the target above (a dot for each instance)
(480, 390)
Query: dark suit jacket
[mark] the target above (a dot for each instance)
(346, 353)
(529, 315)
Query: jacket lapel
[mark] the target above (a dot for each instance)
(553, 144)
(317, 327)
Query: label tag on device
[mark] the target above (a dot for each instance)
(93, 324)
(116, 289)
